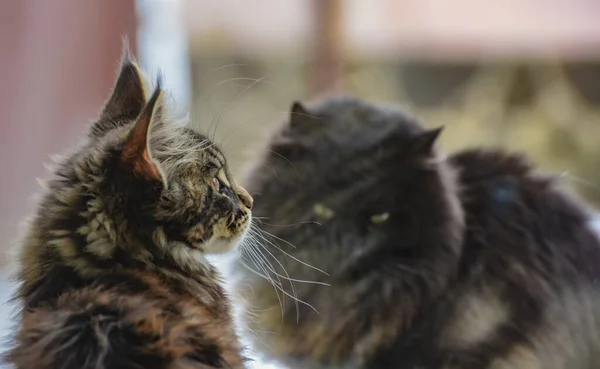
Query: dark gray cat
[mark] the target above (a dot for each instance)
(471, 262)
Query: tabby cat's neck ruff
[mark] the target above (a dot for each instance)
(113, 270)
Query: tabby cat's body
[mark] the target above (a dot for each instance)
(112, 271)
(470, 262)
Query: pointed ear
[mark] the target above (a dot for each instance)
(424, 143)
(127, 99)
(136, 152)
(299, 115)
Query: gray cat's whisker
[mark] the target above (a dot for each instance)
(580, 180)
(287, 160)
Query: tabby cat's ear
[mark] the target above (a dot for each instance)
(136, 152)
(424, 143)
(299, 115)
(127, 99)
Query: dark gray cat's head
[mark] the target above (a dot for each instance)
(370, 166)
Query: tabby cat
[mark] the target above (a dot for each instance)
(112, 269)
(475, 261)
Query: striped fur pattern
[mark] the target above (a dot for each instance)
(475, 261)
(112, 269)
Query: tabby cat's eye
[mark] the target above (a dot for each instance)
(215, 183)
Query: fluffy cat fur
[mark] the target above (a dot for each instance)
(112, 269)
(476, 261)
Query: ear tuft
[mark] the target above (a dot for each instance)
(136, 150)
(298, 108)
(159, 80)
(424, 143)
(128, 97)
(126, 55)
(299, 114)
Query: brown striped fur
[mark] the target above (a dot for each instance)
(112, 269)
(475, 261)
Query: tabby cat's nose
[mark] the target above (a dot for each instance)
(245, 197)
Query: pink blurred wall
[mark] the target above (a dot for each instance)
(57, 62)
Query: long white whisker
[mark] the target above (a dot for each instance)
(288, 277)
(263, 233)
(286, 273)
(580, 180)
(262, 236)
(288, 160)
(238, 96)
(264, 276)
(291, 296)
(291, 225)
(226, 66)
(267, 267)
(254, 80)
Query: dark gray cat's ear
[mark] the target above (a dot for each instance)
(424, 143)
(136, 152)
(299, 115)
(127, 99)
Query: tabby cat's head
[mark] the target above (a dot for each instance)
(145, 183)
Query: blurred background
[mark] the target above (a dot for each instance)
(523, 74)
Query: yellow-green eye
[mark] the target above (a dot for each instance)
(215, 183)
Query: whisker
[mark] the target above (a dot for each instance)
(265, 277)
(267, 265)
(288, 277)
(288, 160)
(580, 180)
(212, 91)
(261, 233)
(226, 66)
(286, 273)
(285, 225)
(238, 96)
(294, 298)
(239, 79)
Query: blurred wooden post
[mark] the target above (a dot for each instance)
(327, 69)
(59, 60)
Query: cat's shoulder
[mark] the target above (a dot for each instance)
(125, 320)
